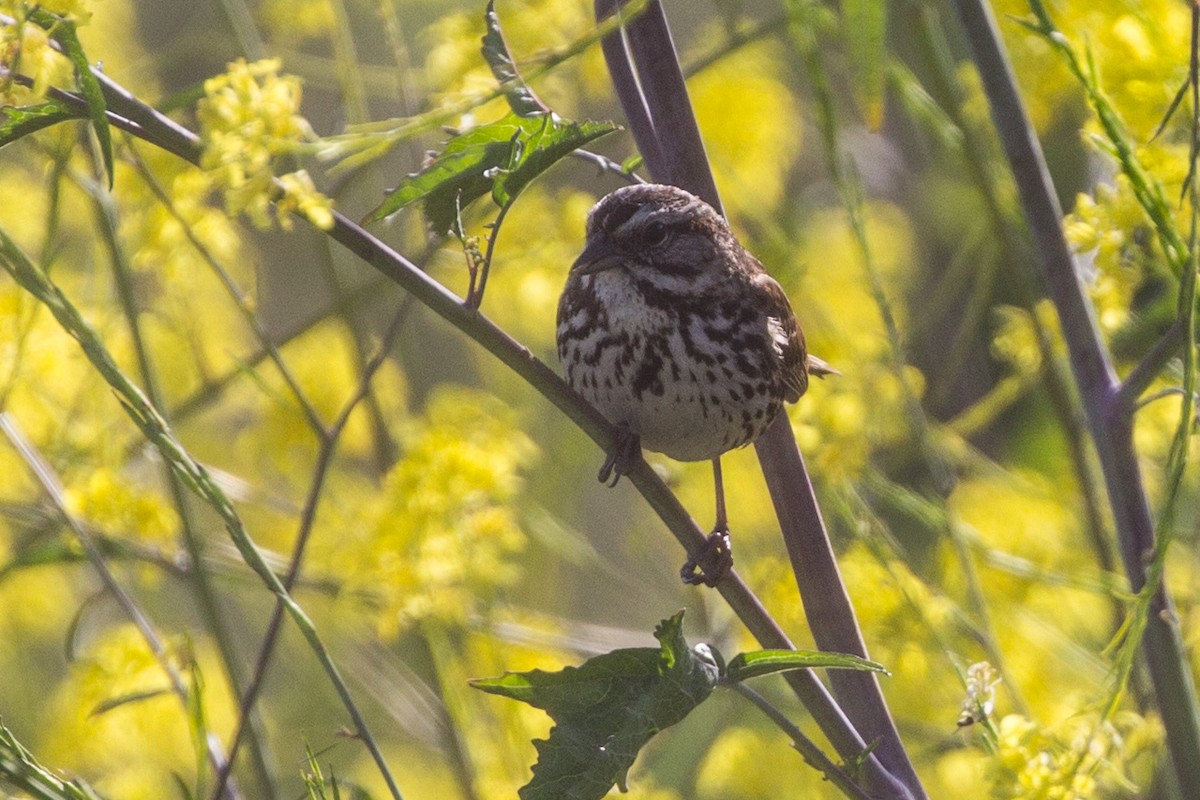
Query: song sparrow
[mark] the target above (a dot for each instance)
(679, 337)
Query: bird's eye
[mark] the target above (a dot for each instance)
(655, 234)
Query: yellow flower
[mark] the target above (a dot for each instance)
(437, 542)
(26, 47)
(249, 118)
(116, 506)
(749, 160)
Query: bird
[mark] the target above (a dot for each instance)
(679, 337)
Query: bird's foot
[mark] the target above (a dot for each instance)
(712, 563)
(626, 449)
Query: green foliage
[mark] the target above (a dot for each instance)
(521, 98)
(500, 157)
(21, 771)
(19, 122)
(757, 663)
(608, 708)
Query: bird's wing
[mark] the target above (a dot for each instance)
(772, 302)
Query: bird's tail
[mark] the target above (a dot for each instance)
(819, 367)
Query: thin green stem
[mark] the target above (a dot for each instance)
(805, 746)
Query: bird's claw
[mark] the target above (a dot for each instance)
(714, 561)
(626, 448)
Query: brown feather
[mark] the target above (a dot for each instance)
(772, 302)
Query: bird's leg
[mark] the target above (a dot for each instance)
(715, 560)
(625, 450)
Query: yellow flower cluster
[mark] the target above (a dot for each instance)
(113, 504)
(25, 49)
(437, 542)
(249, 120)
(1082, 762)
(1110, 229)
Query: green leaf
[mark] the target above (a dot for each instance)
(500, 157)
(1179, 95)
(104, 706)
(521, 98)
(19, 121)
(456, 176)
(63, 31)
(606, 709)
(865, 23)
(765, 662)
(552, 141)
(197, 719)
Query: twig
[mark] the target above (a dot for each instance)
(606, 164)
(1150, 367)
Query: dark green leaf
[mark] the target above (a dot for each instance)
(63, 31)
(17, 122)
(765, 662)
(606, 709)
(521, 98)
(551, 141)
(457, 176)
(501, 157)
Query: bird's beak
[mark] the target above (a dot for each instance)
(598, 255)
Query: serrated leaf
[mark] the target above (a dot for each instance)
(500, 157)
(552, 141)
(20, 121)
(865, 23)
(764, 662)
(521, 98)
(457, 176)
(606, 709)
(63, 31)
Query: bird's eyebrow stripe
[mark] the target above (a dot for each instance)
(667, 216)
(617, 216)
